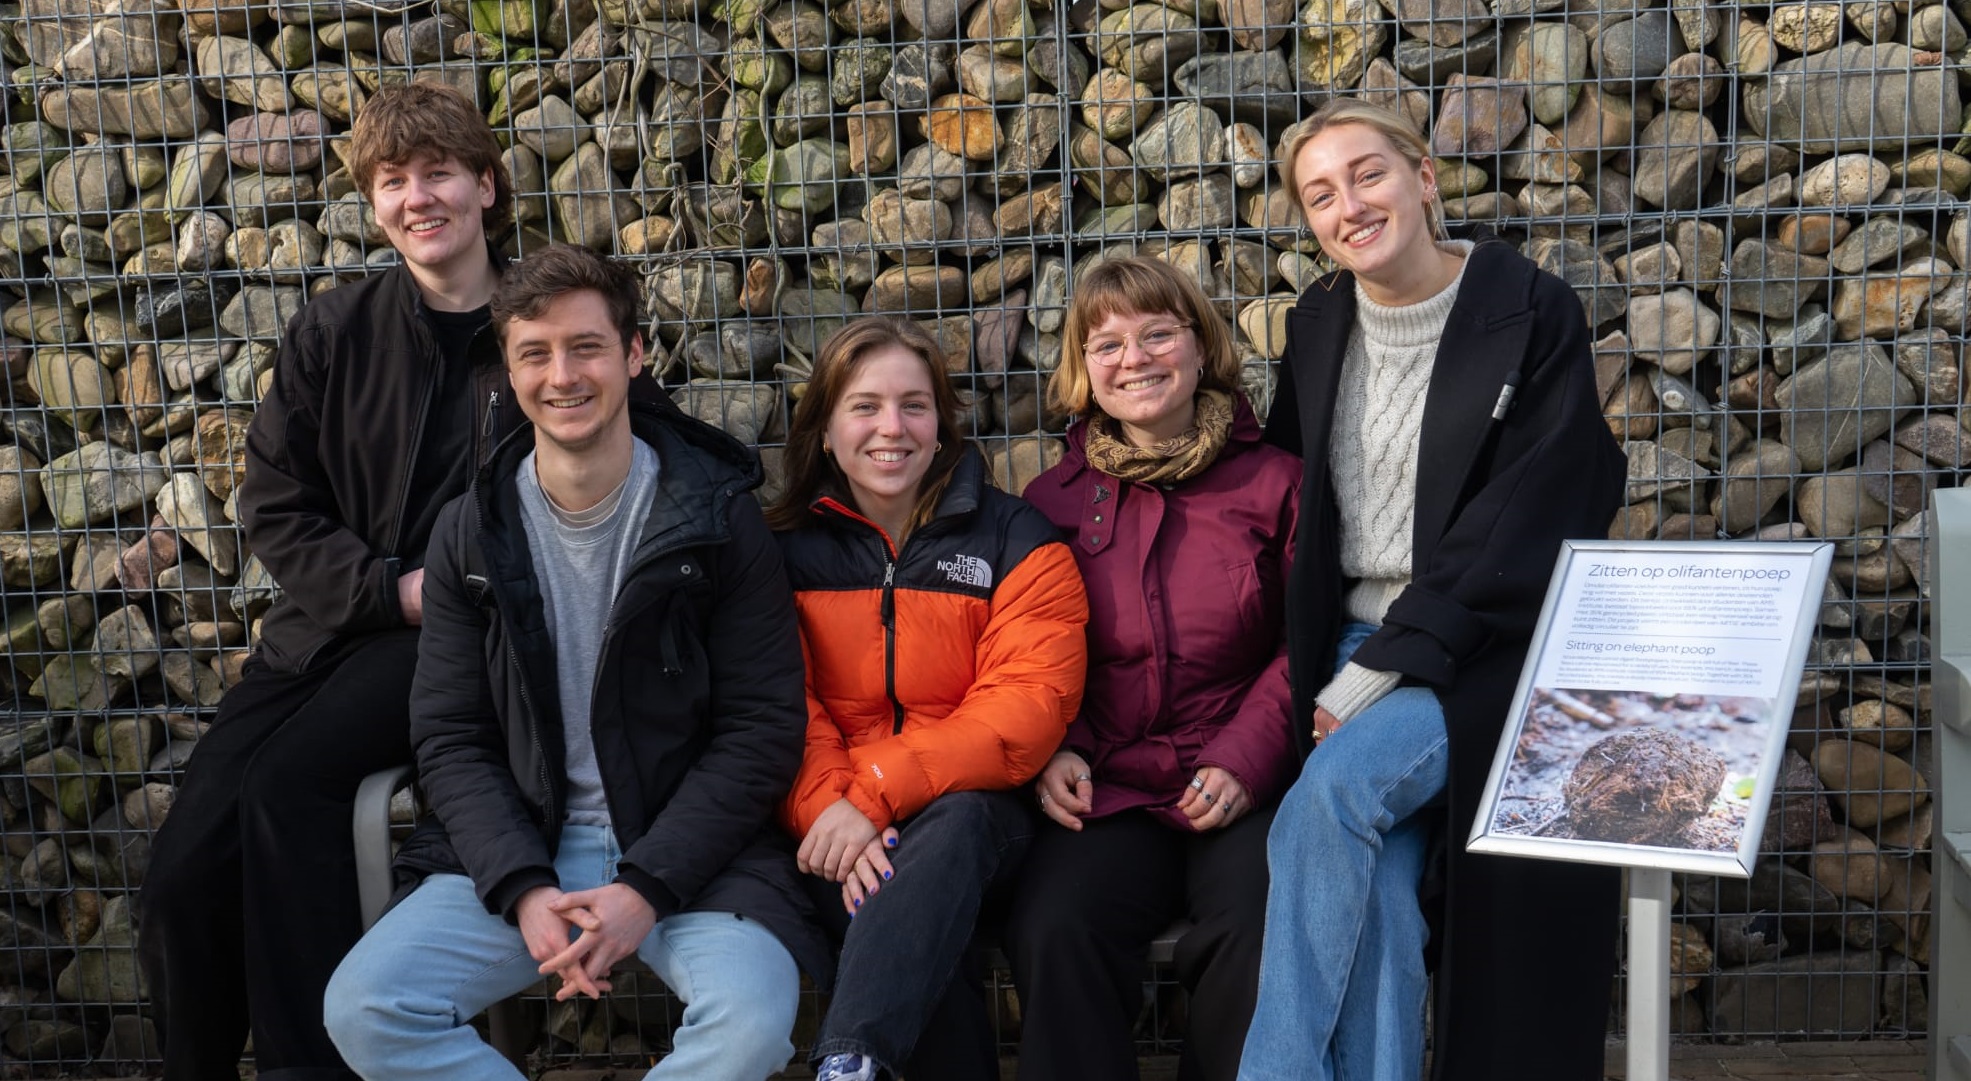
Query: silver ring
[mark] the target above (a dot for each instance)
(1080, 777)
(1198, 783)
(1208, 797)
(1044, 797)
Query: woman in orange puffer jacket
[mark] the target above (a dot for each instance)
(943, 623)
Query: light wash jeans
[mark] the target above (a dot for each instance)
(400, 1004)
(1341, 973)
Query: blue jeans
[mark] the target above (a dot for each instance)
(400, 1005)
(1341, 972)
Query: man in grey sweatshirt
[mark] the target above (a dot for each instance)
(609, 705)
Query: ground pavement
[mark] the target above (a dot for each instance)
(1832, 1060)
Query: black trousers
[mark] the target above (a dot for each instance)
(251, 901)
(909, 986)
(1082, 919)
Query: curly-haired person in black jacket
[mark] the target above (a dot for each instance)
(385, 395)
(608, 707)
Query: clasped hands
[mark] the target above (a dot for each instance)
(844, 846)
(612, 921)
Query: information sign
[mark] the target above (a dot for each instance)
(1654, 705)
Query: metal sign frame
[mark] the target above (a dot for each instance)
(1788, 653)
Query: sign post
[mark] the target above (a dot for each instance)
(1649, 974)
(1648, 728)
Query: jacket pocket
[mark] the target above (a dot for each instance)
(1248, 602)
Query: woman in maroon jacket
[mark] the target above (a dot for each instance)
(1182, 523)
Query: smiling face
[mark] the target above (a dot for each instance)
(571, 372)
(431, 210)
(1151, 394)
(883, 434)
(1368, 206)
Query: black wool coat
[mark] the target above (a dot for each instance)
(698, 714)
(1526, 948)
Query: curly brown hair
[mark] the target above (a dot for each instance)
(420, 120)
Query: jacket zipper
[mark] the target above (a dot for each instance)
(482, 447)
(889, 610)
(410, 463)
(617, 616)
(551, 817)
(890, 643)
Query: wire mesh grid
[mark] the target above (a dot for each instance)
(1761, 208)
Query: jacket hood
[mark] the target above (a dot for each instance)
(700, 468)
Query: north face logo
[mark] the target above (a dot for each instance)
(967, 571)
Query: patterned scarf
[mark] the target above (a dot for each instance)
(1180, 457)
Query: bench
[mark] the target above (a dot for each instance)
(507, 1027)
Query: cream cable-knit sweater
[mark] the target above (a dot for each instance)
(1373, 454)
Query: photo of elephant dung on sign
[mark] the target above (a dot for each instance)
(1668, 771)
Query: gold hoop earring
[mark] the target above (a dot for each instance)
(937, 447)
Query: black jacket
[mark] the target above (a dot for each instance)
(331, 455)
(698, 712)
(1495, 498)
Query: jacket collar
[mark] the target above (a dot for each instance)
(1245, 430)
(404, 285)
(699, 469)
(1246, 433)
(1487, 334)
(962, 496)
(408, 299)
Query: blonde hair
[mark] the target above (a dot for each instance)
(1402, 135)
(1137, 286)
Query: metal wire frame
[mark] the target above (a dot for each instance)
(687, 191)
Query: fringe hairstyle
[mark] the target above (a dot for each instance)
(418, 120)
(1137, 286)
(528, 286)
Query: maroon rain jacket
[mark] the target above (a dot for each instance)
(1187, 663)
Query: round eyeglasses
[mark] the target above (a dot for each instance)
(1154, 340)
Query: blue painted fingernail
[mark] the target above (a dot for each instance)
(886, 875)
(858, 902)
(889, 842)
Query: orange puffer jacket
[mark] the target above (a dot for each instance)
(952, 665)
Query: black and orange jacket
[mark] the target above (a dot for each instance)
(952, 665)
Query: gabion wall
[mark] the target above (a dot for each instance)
(1760, 206)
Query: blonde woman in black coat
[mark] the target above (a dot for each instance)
(1441, 394)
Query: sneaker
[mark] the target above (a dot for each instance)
(847, 1068)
